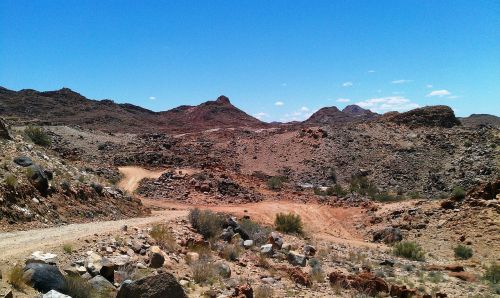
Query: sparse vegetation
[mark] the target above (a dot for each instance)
(276, 182)
(37, 135)
(492, 275)
(289, 223)
(78, 287)
(363, 186)
(258, 233)
(435, 277)
(409, 250)
(335, 190)
(317, 273)
(263, 291)
(387, 197)
(231, 252)
(15, 278)
(463, 252)
(68, 248)
(207, 223)
(204, 272)
(458, 193)
(11, 181)
(163, 237)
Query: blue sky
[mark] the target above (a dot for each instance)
(279, 60)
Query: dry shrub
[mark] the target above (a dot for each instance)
(209, 224)
(77, 287)
(263, 291)
(16, 279)
(409, 250)
(204, 272)
(289, 223)
(163, 237)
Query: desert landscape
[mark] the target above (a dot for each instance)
(219, 204)
(249, 149)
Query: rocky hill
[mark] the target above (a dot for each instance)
(66, 107)
(38, 188)
(332, 116)
(475, 120)
(431, 116)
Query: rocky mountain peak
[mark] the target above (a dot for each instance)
(223, 100)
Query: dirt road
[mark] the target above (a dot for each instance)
(133, 175)
(22, 243)
(328, 223)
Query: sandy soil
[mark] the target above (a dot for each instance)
(133, 175)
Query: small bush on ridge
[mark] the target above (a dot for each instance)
(288, 223)
(37, 135)
(409, 250)
(463, 252)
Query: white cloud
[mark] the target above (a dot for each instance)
(429, 86)
(279, 103)
(261, 115)
(304, 109)
(152, 98)
(371, 71)
(347, 84)
(439, 93)
(389, 103)
(401, 81)
(299, 115)
(343, 100)
(284, 84)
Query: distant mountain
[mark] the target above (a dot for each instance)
(475, 120)
(67, 107)
(332, 115)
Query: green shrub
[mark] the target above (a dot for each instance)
(363, 186)
(258, 233)
(207, 223)
(435, 277)
(458, 193)
(288, 223)
(387, 197)
(16, 279)
(68, 248)
(10, 180)
(409, 250)
(163, 237)
(37, 135)
(336, 190)
(463, 252)
(492, 274)
(78, 287)
(276, 182)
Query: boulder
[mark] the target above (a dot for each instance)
(44, 277)
(107, 269)
(296, 259)
(309, 250)
(40, 257)
(157, 286)
(101, 284)
(23, 161)
(39, 179)
(156, 260)
(227, 234)
(248, 243)
(266, 249)
(223, 269)
(388, 235)
(402, 292)
(54, 294)
(243, 291)
(4, 130)
(276, 240)
(192, 257)
(364, 282)
(93, 263)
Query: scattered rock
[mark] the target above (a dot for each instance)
(44, 277)
(223, 269)
(388, 235)
(158, 286)
(101, 284)
(296, 259)
(23, 161)
(40, 257)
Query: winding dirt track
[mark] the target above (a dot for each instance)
(334, 224)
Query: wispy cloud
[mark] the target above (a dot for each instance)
(401, 81)
(439, 93)
(347, 84)
(279, 103)
(304, 109)
(284, 84)
(389, 103)
(343, 100)
(152, 98)
(261, 115)
(429, 86)
(371, 71)
(299, 115)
